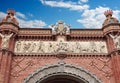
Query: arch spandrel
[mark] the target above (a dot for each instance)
(61, 69)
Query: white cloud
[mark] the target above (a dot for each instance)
(116, 14)
(2, 15)
(25, 23)
(91, 18)
(29, 14)
(70, 5)
(18, 14)
(84, 1)
(31, 23)
(94, 18)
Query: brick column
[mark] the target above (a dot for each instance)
(114, 52)
(8, 32)
(115, 59)
(5, 61)
(116, 65)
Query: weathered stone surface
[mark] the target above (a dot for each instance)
(28, 47)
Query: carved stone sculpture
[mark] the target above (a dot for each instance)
(60, 28)
(60, 47)
(116, 40)
(5, 40)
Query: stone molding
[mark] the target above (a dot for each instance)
(114, 51)
(61, 69)
(66, 54)
(4, 50)
(73, 32)
(113, 27)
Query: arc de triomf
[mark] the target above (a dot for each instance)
(59, 54)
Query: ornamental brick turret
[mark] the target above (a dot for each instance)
(111, 30)
(9, 23)
(8, 31)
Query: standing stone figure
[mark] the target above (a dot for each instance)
(62, 47)
(93, 47)
(5, 40)
(102, 47)
(116, 40)
(18, 46)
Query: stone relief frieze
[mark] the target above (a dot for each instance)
(60, 46)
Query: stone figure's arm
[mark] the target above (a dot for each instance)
(111, 36)
(118, 36)
(1, 35)
(10, 35)
(51, 26)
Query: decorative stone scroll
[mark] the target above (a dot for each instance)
(60, 46)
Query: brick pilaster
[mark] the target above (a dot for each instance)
(5, 63)
(116, 66)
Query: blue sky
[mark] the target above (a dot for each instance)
(77, 13)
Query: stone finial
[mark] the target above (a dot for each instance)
(109, 19)
(11, 11)
(108, 13)
(10, 17)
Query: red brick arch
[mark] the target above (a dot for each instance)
(61, 69)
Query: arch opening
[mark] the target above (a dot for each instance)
(62, 79)
(61, 73)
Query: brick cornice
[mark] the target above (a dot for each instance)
(9, 27)
(111, 24)
(64, 54)
(1, 23)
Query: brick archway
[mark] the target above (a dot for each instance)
(61, 69)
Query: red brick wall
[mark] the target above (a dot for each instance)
(22, 66)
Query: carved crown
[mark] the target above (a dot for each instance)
(109, 19)
(108, 12)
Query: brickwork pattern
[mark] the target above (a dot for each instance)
(22, 66)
